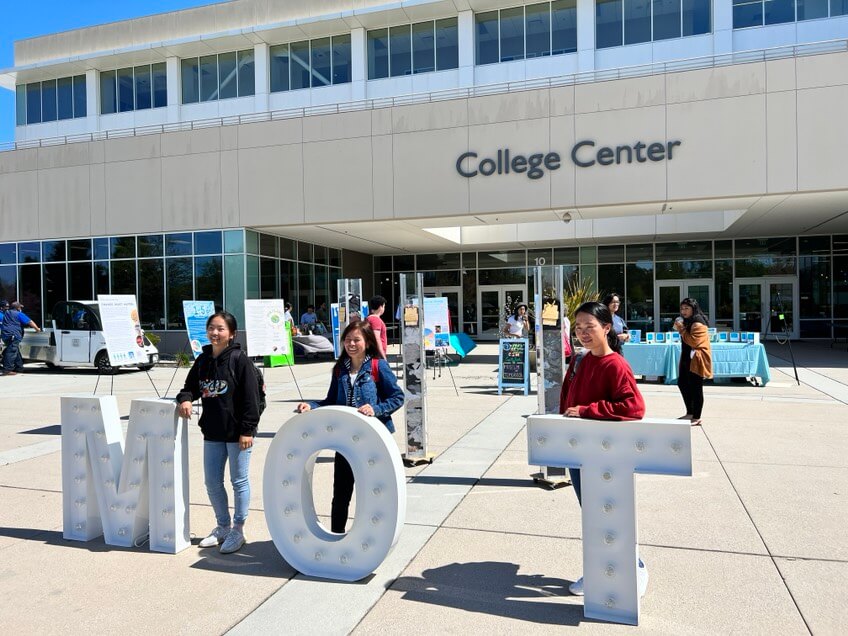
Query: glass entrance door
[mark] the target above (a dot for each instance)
(671, 292)
(767, 306)
(454, 295)
(494, 302)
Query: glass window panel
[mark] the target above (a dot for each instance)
(151, 245)
(378, 53)
(840, 244)
(79, 250)
(48, 100)
(341, 59)
(321, 62)
(8, 255)
(506, 276)
(246, 73)
(55, 287)
(234, 286)
(29, 293)
(151, 293)
(747, 13)
(400, 50)
(611, 254)
(9, 282)
(838, 7)
(639, 296)
(666, 19)
(637, 21)
(684, 250)
(123, 277)
(499, 259)
(537, 24)
(160, 85)
(382, 263)
(588, 255)
(305, 286)
(252, 242)
(20, 105)
(320, 253)
(288, 249)
(33, 103)
(190, 76)
(126, 101)
(268, 277)
(443, 278)
(335, 257)
(439, 261)
(724, 289)
(684, 269)
(300, 65)
(143, 88)
(80, 98)
(608, 23)
(512, 34)
(611, 279)
(814, 286)
(765, 247)
(208, 243)
(816, 329)
(840, 286)
(178, 277)
(812, 9)
(252, 277)
(108, 93)
(101, 249)
(723, 249)
(122, 247)
(566, 256)
(423, 47)
(638, 253)
(696, 17)
(279, 68)
(178, 245)
(817, 245)
(447, 44)
(29, 252)
(487, 49)
(765, 266)
(304, 252)
(779, 11)
(52, 251)
(65, 98)
(233, 241)
(209, 279)
(208, 78)
(227, 77)
(404, 262)
(269, 245)
(81, 281)
(288, 282)
(101, 277)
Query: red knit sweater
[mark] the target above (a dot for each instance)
(604, 388)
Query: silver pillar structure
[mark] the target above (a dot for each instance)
(350, 301)
(414, 367)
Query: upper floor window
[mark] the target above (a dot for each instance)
(535, 30)
(52, 100)
(751, 13)
(409, 49)
(620, 22)
(138, 88)
(310, 63)
(222, 76)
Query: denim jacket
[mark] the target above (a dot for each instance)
(385, 396)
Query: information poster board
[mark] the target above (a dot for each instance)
(436, 323)
(266, 327)
(196, 314)
(122, 329)
(514, 364)
(335, 327)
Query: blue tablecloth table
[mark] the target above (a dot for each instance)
(730, 360)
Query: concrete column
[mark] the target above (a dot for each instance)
(263, 77)
(722, 27)
(358, 65)
(586, 35)
(172, 77)
(465, 25)
(92, 100)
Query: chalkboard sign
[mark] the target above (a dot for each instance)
(514, 364)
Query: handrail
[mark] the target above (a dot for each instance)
(642, 70)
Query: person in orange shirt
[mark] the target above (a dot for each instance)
(376, 308)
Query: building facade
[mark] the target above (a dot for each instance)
(257, 149)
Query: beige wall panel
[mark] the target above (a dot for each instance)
(381, 121)
(430, 116)
(713, 83)
(271, 133)
(64, 156)
(521, 105)
(191, 192)
(19, 206)
(562, 100)
(817, 71)
(187, 142)
(133, 148)
(271, 185)
(621, 182)
(133, 196)
(229, 187)
(97, 197)
(18, 160)
(229, 137)
(64, 201)
(620, 94)
(723, 151)
(337, 126)
(822, 138)
(782, 142)
(383, 180)
(337, 180)
(425, 179)
(513, 191)
(562, 180)
(98, 151)
(780, 75)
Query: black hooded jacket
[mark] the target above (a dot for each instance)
(230, 404)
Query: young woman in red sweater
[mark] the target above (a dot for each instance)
(599, 385)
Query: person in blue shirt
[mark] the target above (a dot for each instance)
(613, 303)
(12, 332)
(309, 317)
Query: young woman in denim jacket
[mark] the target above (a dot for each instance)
(362, 379)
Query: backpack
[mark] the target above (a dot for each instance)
(260, 379)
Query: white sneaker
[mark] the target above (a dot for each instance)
(233, 542)
(641, 579)
(216, 537)
(576, 588)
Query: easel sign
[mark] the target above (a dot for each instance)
(514, 364)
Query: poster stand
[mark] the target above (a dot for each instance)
(415, 369)
(514, 364)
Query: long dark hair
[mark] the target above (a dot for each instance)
(602, 314)
(371, 347)
(697, 314)
(228, 318)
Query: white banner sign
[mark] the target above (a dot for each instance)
(122, 329)
(266, 327)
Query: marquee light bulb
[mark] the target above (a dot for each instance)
(329, 429)
(572, 442)
(541, 440)
(607, 476)
(606, 444)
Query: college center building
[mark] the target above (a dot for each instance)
(259, 149)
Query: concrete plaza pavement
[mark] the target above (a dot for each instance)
(753, 542)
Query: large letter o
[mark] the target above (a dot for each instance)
(380, 493)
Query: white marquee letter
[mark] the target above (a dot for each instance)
(380, 493)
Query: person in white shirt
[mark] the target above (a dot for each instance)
(517, 325)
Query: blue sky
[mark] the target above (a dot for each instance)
(20, 19)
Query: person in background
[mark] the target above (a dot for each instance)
(363, 380)
(619, 327)
(323, 314)
(287, 316)
(696, 359)
(599, 385)
(517, 325)
(309, 317)
(12, 332)
(376, 308)
(224, 380)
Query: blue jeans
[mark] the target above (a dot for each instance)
(12, 360)
(215, 455)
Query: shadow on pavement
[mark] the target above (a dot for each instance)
(493, 588)
(256, 558)
(52, 429)
(470, 481)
